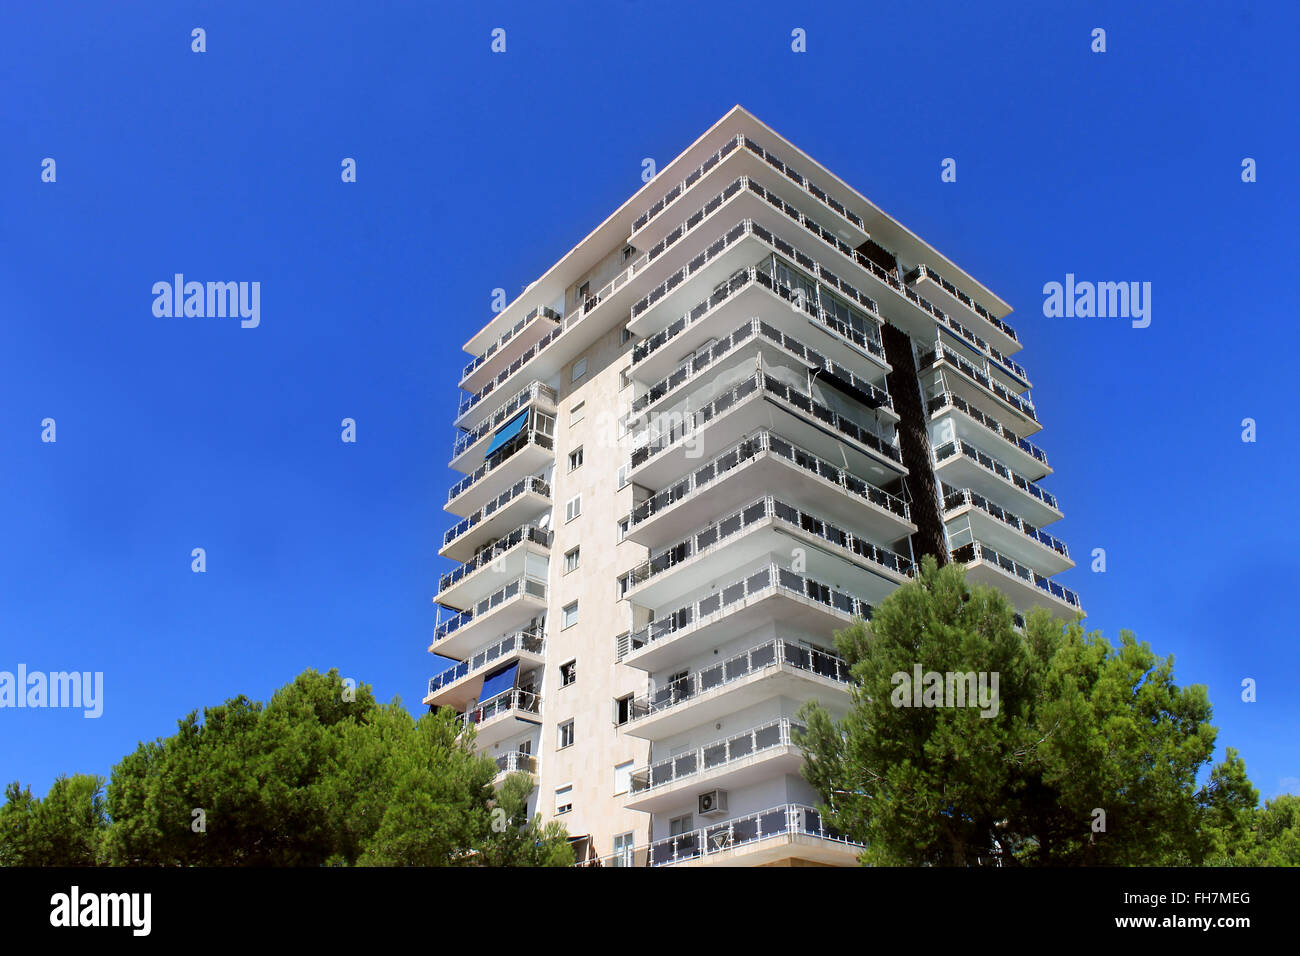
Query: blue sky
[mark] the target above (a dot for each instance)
(478, 171)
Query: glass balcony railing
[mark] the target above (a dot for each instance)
(752, 661)
(959, 447)
(763, 442)
(862, 333)
(528, 532)
(687, 371)
(977, 550)
(954, 498)
(539, 437)
(778, 733)
(772, 578)
(755, 513)
(526, 585)
(530, 640)
(516, 762)
(760, 383)
(980, 374)
(541, 312)
(790, 173)
(534, 392)
(516, 699)
(789, 820)
(945, 399)
(963, 298)
(524, 486)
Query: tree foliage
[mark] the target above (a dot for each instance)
(1092, 756)
(319, 775)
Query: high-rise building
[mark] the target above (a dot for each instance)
(726, 423)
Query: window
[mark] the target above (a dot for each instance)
(579, 368)
(623, 849)
(568, 673)
(623, 778)
(624, 379)
(622, 528)
(575, 459)
(576, 413)
(583, 291)
(679, 825)
(627, 253)
(622, 710)
(622, 477)
(569, 616)
(566, 734)
(573, 508)
(564, 799)
(624, 335)
(571, 560)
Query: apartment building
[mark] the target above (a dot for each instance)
(727, 423)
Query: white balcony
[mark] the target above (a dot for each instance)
(1024, 587)
(764, 527)
(972, 425)
(962, 465)
(512, 343)
(502, 717)
(1006, 532)
(964, 309)
(675, 443)
(767, 595)
(773, 669)
(974, 383)
(459, 685)
(522, 502)
(735, 761)
(505, 559)
(743, 472)
(770, 836)
(507, 609)
(528, 452)
(467, 451)
(515, 762)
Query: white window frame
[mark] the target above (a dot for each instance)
(565, 623)
(575, 459)
(571, 559)
(577, 413)
(623, 776)
(560, 793)
(579, 369)
(573, 508)
(566, 725)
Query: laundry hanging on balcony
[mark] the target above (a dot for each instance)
(498, 682)
(506, 432)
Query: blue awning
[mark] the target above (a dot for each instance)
(498, 682)
(506, 432)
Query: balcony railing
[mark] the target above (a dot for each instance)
(768, 386)
(773, 577)
(675, 193)
(790, 820)
(857, 335)
(954, 498)
(755, 513)
(540, 312)
(949, 400)
(977, 550)
(769, 736)
(952, 290)
(764, 442)
(503, 703)
(525, 396)
(688, 370)
(523, 486)
(948, 449)
(526, 640)
(532, 436)
(528, 532)
(534, 587)
(752, 661)
(517, 762)
(981, 375)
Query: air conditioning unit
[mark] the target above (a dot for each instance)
(713, 803)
